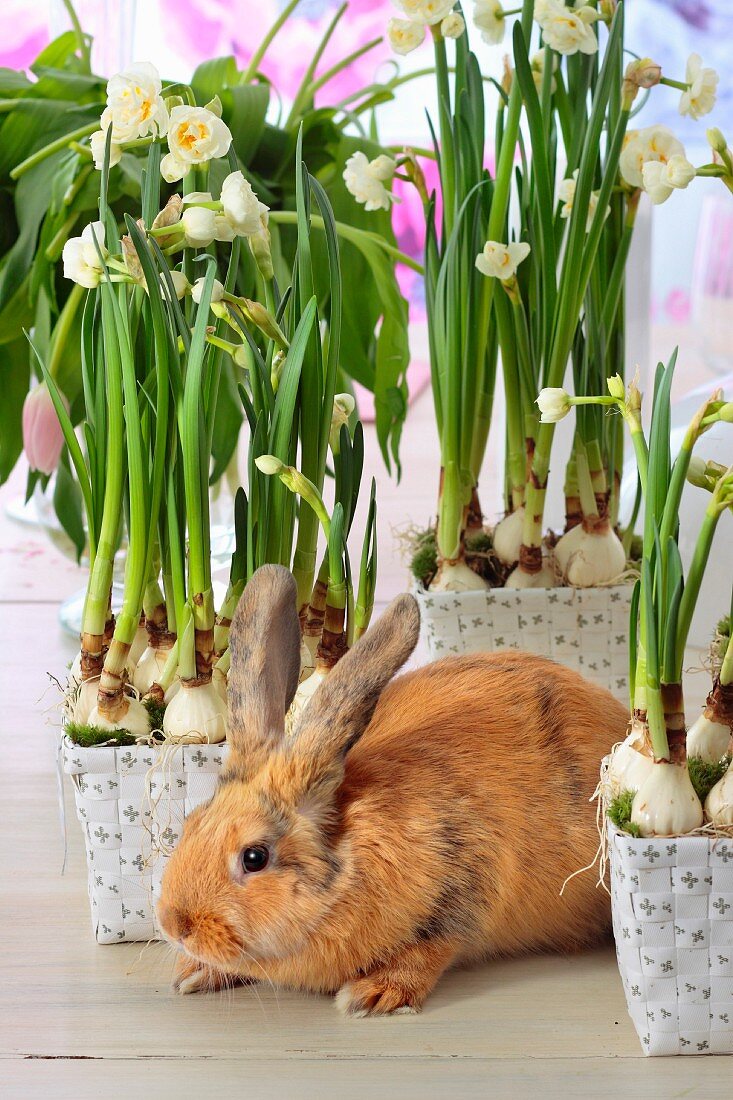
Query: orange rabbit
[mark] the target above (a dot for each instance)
(406, 826)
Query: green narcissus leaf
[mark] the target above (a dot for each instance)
(17, 313)
(374, 335)
(61, 52)
(35, 123)
(13, 83)
(244, 106)
(227, 421)
(67, 504)
(31, 201)
(14, 382)
(78, 88)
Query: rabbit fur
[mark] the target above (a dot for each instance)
(410, 823)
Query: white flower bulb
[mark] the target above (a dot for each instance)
(666, 803)
(520, 578)
(150, 668)
(629, 767)
(708, 739)
(172, 691)
(597, 557)
(196, 715)
(304, 694)
(86, 701)
(457, 577)
(719, 803)
(566, 546)
(507, 536)
(134, 719)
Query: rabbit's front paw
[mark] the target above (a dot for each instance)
(399, 986)
(191, 976)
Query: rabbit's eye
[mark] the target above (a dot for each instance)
(255, 859)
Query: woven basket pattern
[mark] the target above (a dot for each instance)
(131, 803)
(672, 904)
(585, 629)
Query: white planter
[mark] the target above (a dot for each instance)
(585, 629)
(672, 904)
(131, 803)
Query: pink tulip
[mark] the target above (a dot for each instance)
(43, 439)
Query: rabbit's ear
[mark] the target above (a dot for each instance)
(342, 707)
(264, 640)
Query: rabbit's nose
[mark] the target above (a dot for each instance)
(175, 924)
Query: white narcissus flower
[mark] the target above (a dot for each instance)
(500, 261)
(405, 35)
(427, 12)
(488, 17)
(98, 144)
(199, 225)
(537, 65)
(223, 229)
(554, 405)
(197, 198)
(181, 284)
(217, 291)
(699, 99)
(640, 146)
(453, 26)
(195, 136)
(567, 30)
(81, 260)
(242, 209)
(661, 178)
(365, 180)
(566, 195)
(135, 104)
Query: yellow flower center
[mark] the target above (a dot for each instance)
(189, 133)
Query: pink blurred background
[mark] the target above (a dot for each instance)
(178, 34)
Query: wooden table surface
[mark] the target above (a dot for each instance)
(80, 1020)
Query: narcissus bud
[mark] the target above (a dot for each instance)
(616, 387)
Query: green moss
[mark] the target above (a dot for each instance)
(480, 542)
(155, 711)
(89, 736)
(704, 776)
(424, 560)
(619, 811)
(723, 627)
(423, 549)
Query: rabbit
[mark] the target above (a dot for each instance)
(405, 826)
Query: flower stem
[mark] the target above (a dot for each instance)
(54, 147)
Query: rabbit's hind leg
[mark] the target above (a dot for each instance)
(399, 985)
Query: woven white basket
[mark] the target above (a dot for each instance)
(672, 904)
(585, 629)
(131, 803)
